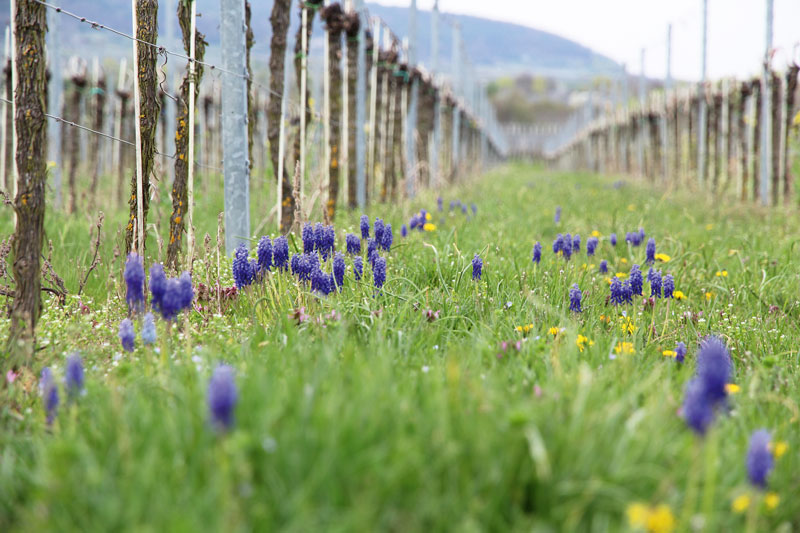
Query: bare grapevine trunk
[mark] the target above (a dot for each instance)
(745, 90)
(334, 18)
(180, 201)
(97, 124)
(775, 109)
(73, 140)
(280, 27)
(30, 23)
(791, 88)
(756, 87)
(147, 31)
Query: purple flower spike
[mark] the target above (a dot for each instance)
(222, 396)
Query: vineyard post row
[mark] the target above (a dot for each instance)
(730, 137)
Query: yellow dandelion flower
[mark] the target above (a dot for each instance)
(428, 216)
(596, 233)
(732, 388)
(664, 258)
(623, 260)
(604, 318)
(661, 520)
(582, 341)
(722, 273)
(678, 295)
(429, 227)
(554, 331)
(637, 515)
(525, 329)
(608, 280)
(741, 503)
(709, 295)
(668, 353)
(625, 348)
(621, 275)
(779, 448)
(771, 500)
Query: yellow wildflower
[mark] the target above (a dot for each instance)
(678, 295)
(722, 273)
(582, 341)
(779, 448)
(637, 515)
(631, 207)
(709, 295)
(625, 348)
(771, 500)
(709, 227)
(627, 325)
(429, 227)
(596, 233)
(428, 216)
(732, 388)
(604, 318)
(661, 520)
(621, 275)
(669, 353)
(664, 258)
(623, 260)
(554, 331)
(740, 503)
(525, 329)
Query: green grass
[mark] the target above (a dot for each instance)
(384, 420)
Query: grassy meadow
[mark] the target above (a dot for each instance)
(439, 403)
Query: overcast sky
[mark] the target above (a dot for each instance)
(621, 28)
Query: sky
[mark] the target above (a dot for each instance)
(621, 28)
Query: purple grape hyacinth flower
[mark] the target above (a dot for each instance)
(353, 244)
(557, 243)
(388, 238)
(379, 272)
(49, 391)
(134, 280)
(558, 214)
(242, 270)
(477, 268)
(404, 230)
(537, 252)
(680, 352)
(697, 411)
(617, 292)
(264, 252)
(379, 227)
(280, 253)
(669, 286)
(149, 329)
(591, 246)
(158, 285)
(309, 238)
(73, 375)
(576, 244)
(714, 367)
(566, 246)
(364, 227)
(655, 284)
(338, 270)
(222, 397)
(613, 239)
(358, 268)
(603, 266)
(636, 280)
(759, 460)
(127, 335)
(650, 250)
(575, 297)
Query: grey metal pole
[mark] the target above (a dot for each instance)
(412, 105)
(642, 119)
(54, 101)
(667, 89)
(456, 60)
(701, 89)
(766, 118)
(361, 108)
(437, 108)
(236, 166)
(169, 18)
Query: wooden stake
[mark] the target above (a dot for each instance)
(303, 102)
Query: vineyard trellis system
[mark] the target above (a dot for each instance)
(386, 125)
(665, 131)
